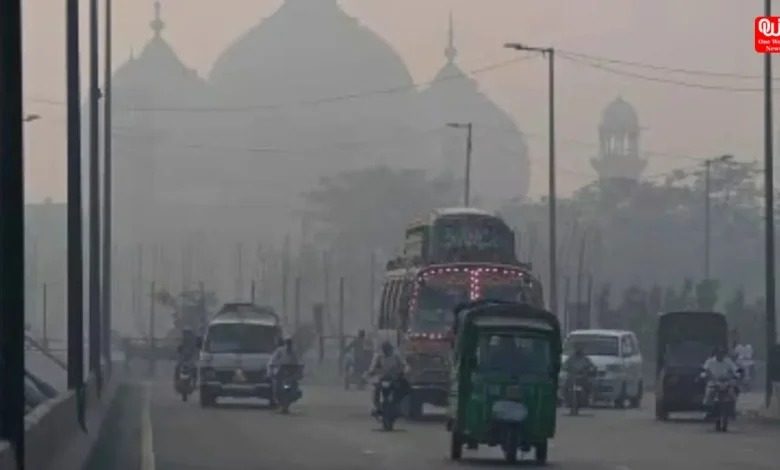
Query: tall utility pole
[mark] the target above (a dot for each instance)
(107, 189)
(467, 173)
(75, 255)
(372, 288)
(12, 229)
(94, 198)
(708, 212)
(769, 212)
(549, 52)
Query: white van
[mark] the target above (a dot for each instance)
(235, 350)
(615, 353)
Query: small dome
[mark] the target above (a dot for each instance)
(503, 171)
(619, 115)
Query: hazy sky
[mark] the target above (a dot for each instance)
(679, 121)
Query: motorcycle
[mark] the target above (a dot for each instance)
(185, 380)
(576, 391)
(723, 404)
(287, 387)
(389, 403)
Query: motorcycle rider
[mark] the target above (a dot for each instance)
(579, 366)
(360, 350)
(187, 351)
(284, 355)
(718, 367)
(387, 365)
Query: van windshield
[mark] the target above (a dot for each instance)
(241, 338)
(593, 345)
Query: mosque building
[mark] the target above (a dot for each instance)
(307, 92)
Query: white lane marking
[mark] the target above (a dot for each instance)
(368, 452)
(622, 467)
(147, 442)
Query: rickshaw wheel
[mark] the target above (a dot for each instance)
(456, 445)
(541, 452)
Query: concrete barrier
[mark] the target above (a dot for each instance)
(54, 438)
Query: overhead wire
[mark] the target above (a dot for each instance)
(315, 102)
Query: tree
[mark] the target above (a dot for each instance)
(368, 209)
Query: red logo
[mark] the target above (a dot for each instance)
(767, 34)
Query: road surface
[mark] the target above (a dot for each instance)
(331, 430)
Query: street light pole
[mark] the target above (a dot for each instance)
(107, 190)
(769, 213)
(467, 176)
(707, 210)
(12, 332)
(549, 52)
(94, 199)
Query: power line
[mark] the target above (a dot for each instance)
(311, 103)
(682, 71)
(668, 81)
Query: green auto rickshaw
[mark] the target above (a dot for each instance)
(506, 360)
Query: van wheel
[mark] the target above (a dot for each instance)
(207, 400)
(620, 402)
(636, 400)
(456, 445)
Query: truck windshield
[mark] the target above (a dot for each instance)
(435, 304)
(241, 338)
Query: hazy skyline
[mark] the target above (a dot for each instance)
(679, 121)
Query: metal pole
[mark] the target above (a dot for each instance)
(342, 338)
(12, 229)
(75, 256)
(107, 189)
(707, 165)
(553, 223)
(769, 214)
(94, 199)
(152, 332)
(372, 289)
(45, 312)
(252, 291)
(240, 274)
(467, 178)
(297, 303)
(285, 275)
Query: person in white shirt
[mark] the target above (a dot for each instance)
(387, 365)
(718, 367)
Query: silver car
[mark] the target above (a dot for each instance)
(618, 361)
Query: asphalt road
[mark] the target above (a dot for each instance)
(330, 429)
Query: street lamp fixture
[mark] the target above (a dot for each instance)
(549, 53)
(31, 118)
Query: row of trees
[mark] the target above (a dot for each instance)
(636, 238)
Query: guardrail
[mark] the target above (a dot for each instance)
(54, 438)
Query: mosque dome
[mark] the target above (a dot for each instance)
(308, 50)
(620, 116)
(157, 78)
(500, 168)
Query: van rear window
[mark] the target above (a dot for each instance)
(241, 338)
